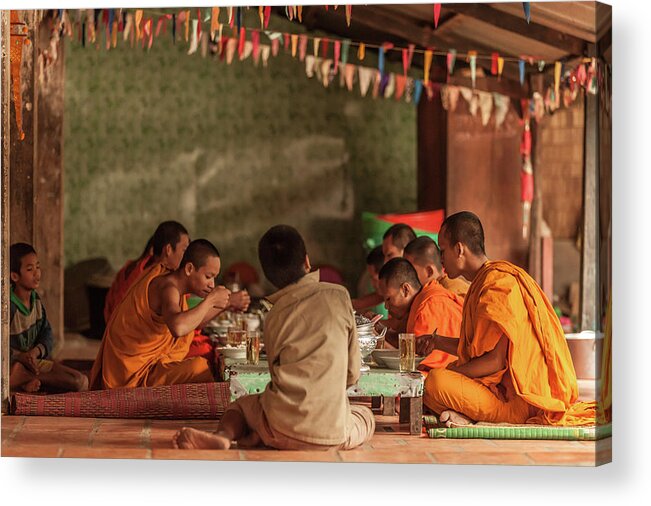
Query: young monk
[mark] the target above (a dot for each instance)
(125, 277)
(374, 262)
(428, 307)
(313, 356)
(424, 255)
(30, 333)
(514, 365)
(395, 239)
(149, 334)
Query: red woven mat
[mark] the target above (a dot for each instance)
(191, 401)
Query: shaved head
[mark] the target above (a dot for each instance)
(198, 252)
(465, 227)
(424, 252)
(398, 271)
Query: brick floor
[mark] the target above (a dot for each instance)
(151, 439)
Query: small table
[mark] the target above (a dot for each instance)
(387, 383)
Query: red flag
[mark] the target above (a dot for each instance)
(267, 15)
(337, 52)
(240, 47)
(324, 47)
(437, 13)
(255, 40)
(286, 41)
(405, 62)
(199, 24)
(526, 186)
(494, 58)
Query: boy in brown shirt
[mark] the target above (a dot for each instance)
(313, 356)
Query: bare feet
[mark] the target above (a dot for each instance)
(32, 386)
(188, 438)
(453, 419)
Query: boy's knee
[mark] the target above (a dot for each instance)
(80, 382)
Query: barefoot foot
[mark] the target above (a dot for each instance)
(32, 386)
(453, 419)
(189, 438)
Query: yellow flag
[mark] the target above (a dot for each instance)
(294, 44)
(500, 66)
(138, 20)
(428, 63)
(187, 25)
(361, 51)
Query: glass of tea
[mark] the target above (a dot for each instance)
(407, 346)
(252, 347)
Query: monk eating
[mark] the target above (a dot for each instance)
(149, 335)
(514, 364)
(424, 255)
(425, 304)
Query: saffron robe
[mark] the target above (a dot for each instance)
(539, 383)
(138, 348)
(121, 285)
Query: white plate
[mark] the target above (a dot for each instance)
(378, 356)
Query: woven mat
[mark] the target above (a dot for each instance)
(508, 431)
(191, 401)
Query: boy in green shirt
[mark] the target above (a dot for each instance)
(31, 338)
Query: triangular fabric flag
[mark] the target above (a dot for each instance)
(267, 15)
(325, 72)
(275, 46)
(150, 32)
(410, 51)
(345, 47)
(309, 66)
(390, 86)
(242, 40)
(361, 51)
(427, 65)
(138, 21)
(485, 100)
(248, 49)
(365, 76)
(204, 44)
(377, 81)
(494, 59)
(114, 34)
(521, 67)
(349, 11)
(264, 51)
(214, 22)
(429, 88)
(557, 77)
(437, 14)
(294, 44)
(453, 97)
(286, 42)
(316, 41)
(231, 19)
(194, 45)
(128, 26)
(405, 62)
(418, 90)
(199, 24)
(261, 16)
(400, 86)
(500, 67)
(527, 11)
(289, 11)
(302, 46)
(299, 10)
(445, 97)
(451, 59)
(501, 108)
(337, 52)
(349, 75)
(255, 40)
(541, 65)
(380, 60)
(231, 47)
(472, 55)
(221, 42)
(187, 25)
(324, 47)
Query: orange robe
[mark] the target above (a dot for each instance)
(458, 286)
(121, 285)
(138, 348)
(435, 308)
(539, 384)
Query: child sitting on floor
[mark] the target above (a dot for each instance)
(31, 336)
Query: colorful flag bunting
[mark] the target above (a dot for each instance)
(349, 75)
(349, 11)
(214, 22)
(494, 59)
(527, 11)
(361, 51)
(400, 86)
(345, 47)
(294, 44)
(242, 40)
(418, 90)
(521, 67)
(472, 57)
(255, 40)
(437, 14)
(337, 52)
(267, 15)
(500, 67)
(365, 76)
(451, 59)
(264, 51)
(302, 46)
(316, 41)
(325, 42)
(427, 65)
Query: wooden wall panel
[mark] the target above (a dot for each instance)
(432, 154)
(484, 177)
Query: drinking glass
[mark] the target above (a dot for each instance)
(407, 345)
(252, 347)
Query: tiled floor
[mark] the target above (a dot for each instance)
(151, 439)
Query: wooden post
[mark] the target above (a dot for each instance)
(432, 148)
(536, 218)
(4, 212)
(588, 306)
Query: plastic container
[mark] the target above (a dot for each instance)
(425, 223)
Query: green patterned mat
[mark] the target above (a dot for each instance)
(507, 431)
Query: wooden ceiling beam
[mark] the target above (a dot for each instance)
(518, 25)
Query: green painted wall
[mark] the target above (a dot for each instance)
(226, 150)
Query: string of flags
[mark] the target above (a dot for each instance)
(330, 57)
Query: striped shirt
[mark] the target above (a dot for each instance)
(29, 327)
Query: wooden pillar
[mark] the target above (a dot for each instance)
(432, 138)
(536, 218)
(4, 211)
(588, 307)
(48, 180)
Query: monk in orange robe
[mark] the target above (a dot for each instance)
(514, 364)
(149, 334)
(125, 277)
(427, 307)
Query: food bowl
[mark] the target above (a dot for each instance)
(235, 353)
(378, 356)
(393, 361)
